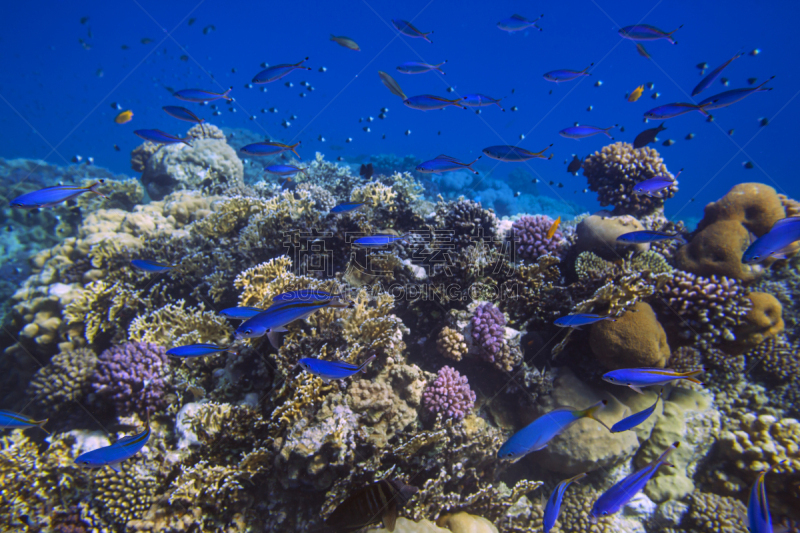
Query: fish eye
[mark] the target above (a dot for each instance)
(605, 513)
(248, 331)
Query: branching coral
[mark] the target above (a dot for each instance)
(449, 394)
(133, 378)
(175, 325)
(617, 168)
(488, 332)
(529, 239)
(450, 344)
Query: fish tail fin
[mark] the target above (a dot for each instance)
(41, 423)
(469, 166)
(690, 376)
(293, 146)
(702, 107)
(93, 187)
(363, 367)
(425, 36)
(672, 447)
(759, 88)
(225, 94)
(591, 411)
(304, 60)
(585, 71)
(439, 65)
(185, 141)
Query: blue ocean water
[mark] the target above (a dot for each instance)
(234, 433)
(57, 94)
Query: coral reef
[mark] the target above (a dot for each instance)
(65, 379)
(449, 394)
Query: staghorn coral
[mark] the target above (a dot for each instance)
(449, 394)
(705, 310)
(450, 344)
(528, 237)
(175, 325)
(617, 168)
(66, 378)
(132, 377)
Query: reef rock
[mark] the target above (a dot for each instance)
(586, 445)
(636, 339)
(689, 418)
(209, 164)
(599, 234)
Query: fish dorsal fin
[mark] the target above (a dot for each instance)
(519, 17)
(390, 516)
(447, 158)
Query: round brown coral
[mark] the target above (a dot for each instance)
(636, 339)
(712, 513)
(125, 495)
(617, 168)
(763, 320)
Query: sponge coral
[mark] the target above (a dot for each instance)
(617, 168)
(132, 377)
(449, 394)
(528, 237)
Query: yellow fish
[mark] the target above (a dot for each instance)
(637, 92)
(124, 117)
(553, 228)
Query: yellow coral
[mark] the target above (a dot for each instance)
(305, 391)
(451, 344)
(374, 194)
(261, 283)
(174, 325)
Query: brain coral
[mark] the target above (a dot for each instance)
(132, 377)
(617, 168)
(636, 339)
(528, 236)
(449, 394)
(63, 380)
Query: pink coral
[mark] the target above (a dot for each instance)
(529, 237)
(449, 394)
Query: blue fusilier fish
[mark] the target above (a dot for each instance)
(240, 313)
(622, 492)
(581, 132)
(536, 435)
(758, 516)
(514, 154)
(52, 196)
(408, 29)
(553, 507)
(731, 97)
(113, 455)
(199, 95)
(645, 236)
(444, 163)
(416, 67)
(347, 207)
(630, 422)
(706, 82)
(181, 113)
(150, 266)
(559, 76)
(160, 137)
(775, 243)
(280, 314)
(275, 73)
(9, 420)
(269, 148)
(428, 102)
(480, 100)
(305, 295)
(518, 23)
(582, 319)
(378, 240)
(645, 32)
(675, 110)
(330, 370)
(284, 170)
(656, 187)
(636, 378)
(197, 350)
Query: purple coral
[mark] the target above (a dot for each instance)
(449, 394)
(488, 330)
(529, 237)
(131, 377)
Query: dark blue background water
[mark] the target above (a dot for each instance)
(54, 103)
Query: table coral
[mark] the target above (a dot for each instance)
(449, 394)
(528, 237)
(132, 377)
(617, 168)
